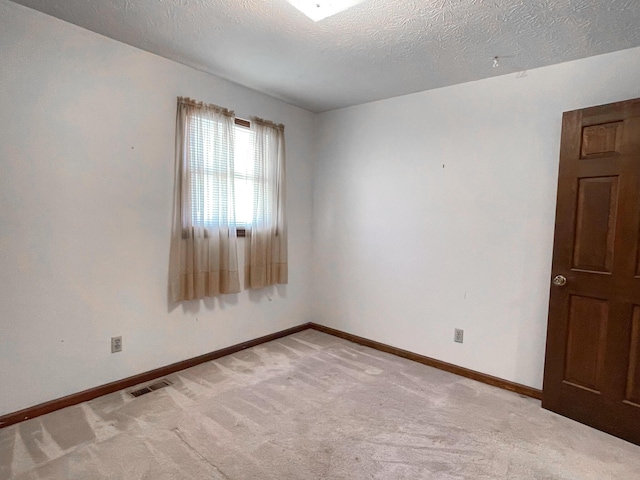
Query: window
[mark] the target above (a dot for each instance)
(207, 141)
(245, 178)
(229, 178)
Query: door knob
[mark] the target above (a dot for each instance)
(559, 280)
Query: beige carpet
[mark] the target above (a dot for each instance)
(312, 406)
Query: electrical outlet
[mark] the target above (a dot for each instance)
(458, 335)
(116, 344)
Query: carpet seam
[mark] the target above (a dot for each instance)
(178, 434)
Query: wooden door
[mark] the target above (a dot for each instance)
(592, 366)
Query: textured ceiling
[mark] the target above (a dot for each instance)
(377, 49)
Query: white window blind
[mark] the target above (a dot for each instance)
(207, 146)
(246, 183)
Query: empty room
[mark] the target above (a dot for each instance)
(291, 239)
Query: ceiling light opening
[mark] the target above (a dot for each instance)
(318, 10)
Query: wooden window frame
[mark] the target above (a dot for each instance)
(242, 232)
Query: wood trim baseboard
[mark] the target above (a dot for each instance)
(86, 395)
(432, 362)
(128, 382)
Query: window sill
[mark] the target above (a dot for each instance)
(240, 232)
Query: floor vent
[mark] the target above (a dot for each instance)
(150, 388)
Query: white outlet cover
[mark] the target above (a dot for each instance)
(116, 344)
(458, 335)
(318, 10)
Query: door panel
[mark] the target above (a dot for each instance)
(631, 136)
(592, 364)
(633, 376)
(601, 140)
(638, 259)
(595, 223)
(586, 337)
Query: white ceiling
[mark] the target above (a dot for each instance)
(378, 49)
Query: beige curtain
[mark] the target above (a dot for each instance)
(266, 242)
(203, 258)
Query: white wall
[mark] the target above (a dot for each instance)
(448, 223)
(436, 210)
(86, 181)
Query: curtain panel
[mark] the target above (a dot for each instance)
(266, 261)
(203, 257)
